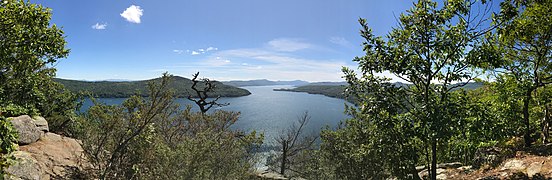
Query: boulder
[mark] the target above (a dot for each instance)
(51, 157)
(25, 167)
(26, 128)
(41, 124)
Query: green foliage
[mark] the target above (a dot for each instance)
(7, 145)
(30, 46)
(524, 49)
(106, 89)
(394, 127)
(377, 142)
(151, 138)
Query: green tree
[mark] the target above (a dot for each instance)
(29, 45)
(524, 41)
(29, 48)
(433, 47)
(151, 138)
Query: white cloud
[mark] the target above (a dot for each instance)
(340, 41)
(133, 14)
(211, 49)
(202, 50)
(178, 51)
(99, 26)
(288, 45)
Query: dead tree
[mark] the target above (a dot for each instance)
(292, 142)
(202, 94)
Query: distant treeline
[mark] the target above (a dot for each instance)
(337, 89)
(181, 85)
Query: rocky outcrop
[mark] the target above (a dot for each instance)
(51, 156)
(522, 166)
(27, 129)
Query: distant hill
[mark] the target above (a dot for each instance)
(123, 89)
(337, 89)
(264, 82)
(342, 83)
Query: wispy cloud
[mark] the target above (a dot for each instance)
(278, 59)
(340, 41)
(178, 51)
(202, 50)
(99, 26)
(133, 14)
(288, 45)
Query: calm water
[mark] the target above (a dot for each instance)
(271, 112)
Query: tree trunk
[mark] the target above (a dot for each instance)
(546, 124)
(527, 136)
(434, 159)
(414, 172)
(284, 157)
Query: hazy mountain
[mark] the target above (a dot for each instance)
(264, 82)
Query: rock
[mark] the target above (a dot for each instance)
(270, 175)
(25, 126)
(514, 164)
(41, 124)
(534, 168)
(58, 156)
(487, 156)
(441, 176)
(51, 157)
(449, 165)
(25, 167)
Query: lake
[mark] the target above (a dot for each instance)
(270, 112)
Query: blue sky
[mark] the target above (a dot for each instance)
(224, 40)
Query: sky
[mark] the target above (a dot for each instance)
(224, 40)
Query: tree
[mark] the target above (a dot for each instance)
(292, 143)
(117, 139)
(151, 138)
(433, 48)
(524, 40)
(377, 142)
(202, 94)
(29, 48)
(29, 44)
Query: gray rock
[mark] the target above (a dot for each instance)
(26, 128)
(449, 165)
(534, 168)
(41, 124)
(25, 167)
(514, 164)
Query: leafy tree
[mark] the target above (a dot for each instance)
(30, 46)
(116, 139)
(433, 47)
(152, 138)
(524, 40)
(377, 142)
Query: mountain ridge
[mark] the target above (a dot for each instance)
(124, 89)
